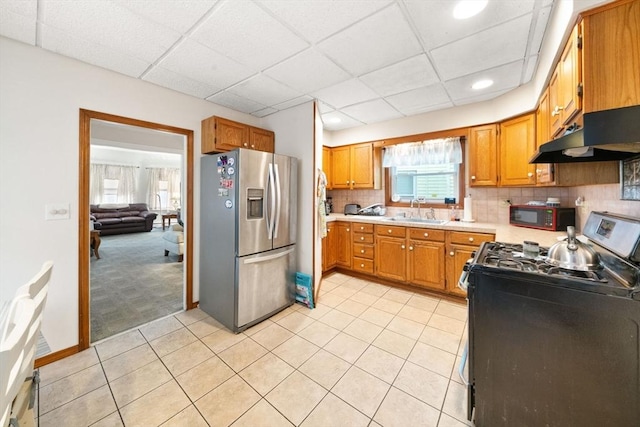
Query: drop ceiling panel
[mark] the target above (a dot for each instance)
(264, 90)
(307, 71)
(179, 15)
(435, 22)
(373, 57)
(409, 74)
(379, 40)
(487, 49)
(236, 102)
(316, 20)
(481, 98)
(293, 102)
(346, 93)
(184, 84)
(18, 20)
(244, 32)
(200, 63)
(92, 53)
(372, 111)
(504, 77)
(110, 25)
(336, 120)
(538, 32)
(419, 100)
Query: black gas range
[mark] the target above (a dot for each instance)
(556, 347)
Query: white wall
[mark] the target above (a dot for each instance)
(294, 137)
(40, 97)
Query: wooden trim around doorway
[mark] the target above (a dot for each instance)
(83, 212)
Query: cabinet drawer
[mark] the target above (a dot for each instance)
(362, 228)
(390, 230)
(362, 238)
(363, 251)
(462, 238)
(363, 265)
(426, 234)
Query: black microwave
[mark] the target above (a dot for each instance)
(542, 217)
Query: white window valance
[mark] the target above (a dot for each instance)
(431, 152)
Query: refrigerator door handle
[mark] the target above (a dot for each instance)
(271, 191)
(264, 258)
(278, 202)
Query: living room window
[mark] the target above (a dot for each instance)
(112, 183)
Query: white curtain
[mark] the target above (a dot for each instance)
(125, 175)
(431, 152)
(172, 177)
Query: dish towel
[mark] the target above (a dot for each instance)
(322, 197)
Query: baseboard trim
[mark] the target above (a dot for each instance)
(54, 357)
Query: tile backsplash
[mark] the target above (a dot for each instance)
(489, 203)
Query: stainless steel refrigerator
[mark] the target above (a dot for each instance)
(248, 220)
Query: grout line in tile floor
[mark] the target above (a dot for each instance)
(310, 414)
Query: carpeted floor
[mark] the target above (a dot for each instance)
(133, 283)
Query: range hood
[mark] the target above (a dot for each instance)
(606, 135)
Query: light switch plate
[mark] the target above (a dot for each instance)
(56, 211)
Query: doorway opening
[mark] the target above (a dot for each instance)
(95, 123)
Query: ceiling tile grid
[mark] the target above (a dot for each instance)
(364, 61)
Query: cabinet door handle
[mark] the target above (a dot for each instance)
(361, 228)
(353, 182)
(530, 174)
(471, 239)
(348, 229)
(347, 182)
(410, 248)
(253, 146)
(362, 238)
(556, 111)
(402, 247)
(245, 144)
(451, 253)
(473, 177)
(362, 265)
(389, 231)
(361, 251)
(426, 234)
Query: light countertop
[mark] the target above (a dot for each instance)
(504, 232)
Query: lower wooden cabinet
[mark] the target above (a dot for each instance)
(329, 252)
(428, 258)
(343, 244)
(460, 247)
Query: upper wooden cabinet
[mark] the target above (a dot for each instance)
(612, 56)
(483, 156)
(219, 135)
(326, 166)
(352, 166)
(517, 145)
(544, 172)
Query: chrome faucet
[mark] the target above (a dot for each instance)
(419, 202)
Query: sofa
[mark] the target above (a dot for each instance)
(122, 218)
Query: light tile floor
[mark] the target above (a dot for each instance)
(368, 355)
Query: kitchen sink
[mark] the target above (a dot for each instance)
(419, 220)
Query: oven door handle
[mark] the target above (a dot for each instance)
(462, 281)
(463, 363)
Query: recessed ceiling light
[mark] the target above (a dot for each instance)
(468, 8)
(334, 120)
(482, 84)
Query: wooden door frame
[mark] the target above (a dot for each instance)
(86, 116)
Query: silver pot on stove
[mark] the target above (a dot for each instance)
(572, 254)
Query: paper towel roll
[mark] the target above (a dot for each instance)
(468, 210)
